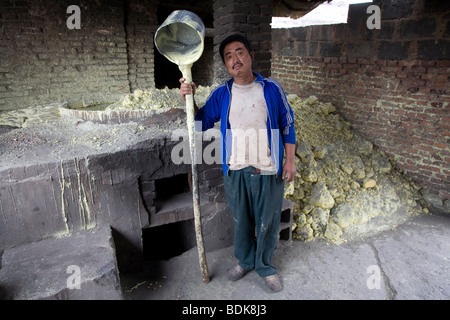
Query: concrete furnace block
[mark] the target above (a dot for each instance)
(286, 220)
(77, 267)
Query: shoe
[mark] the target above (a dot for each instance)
(236, 273)
(273, 282)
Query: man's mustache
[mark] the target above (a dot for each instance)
(236, 64)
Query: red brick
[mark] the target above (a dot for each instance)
(427, 76)
(441, 145)
(429, 63)
(366, 61)
(443, 63)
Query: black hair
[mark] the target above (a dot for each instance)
(232, 38)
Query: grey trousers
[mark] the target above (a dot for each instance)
(255, 200)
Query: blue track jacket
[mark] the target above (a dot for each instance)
(280, 123)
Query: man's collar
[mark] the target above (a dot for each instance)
(259, 79)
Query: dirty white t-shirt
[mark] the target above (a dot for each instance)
(248, 122)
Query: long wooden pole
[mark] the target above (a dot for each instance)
(187, 75)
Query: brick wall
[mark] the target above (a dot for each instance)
(391, 84)
(250, 18)
(42, 60)
(140, 20)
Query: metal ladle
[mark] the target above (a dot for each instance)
(180, 39)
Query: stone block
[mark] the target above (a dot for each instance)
(328, 49)
(393, 50)
(286, 220)
(418, 28)
(298, 34)
(393, 9)
(387, 30)
(433, 50)
(356, 14)
(78, 267)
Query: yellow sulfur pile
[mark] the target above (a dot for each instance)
(344, 187)
(154, 99)
(151, 99)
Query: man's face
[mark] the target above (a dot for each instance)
(238, 60)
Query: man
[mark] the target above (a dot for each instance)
(257, 126)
